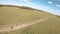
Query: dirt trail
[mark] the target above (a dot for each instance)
(23, 25)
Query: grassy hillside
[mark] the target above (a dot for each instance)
(50, 26)
(12, 15)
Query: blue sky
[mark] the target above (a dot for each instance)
(51, 6)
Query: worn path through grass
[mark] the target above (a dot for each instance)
(18, 26)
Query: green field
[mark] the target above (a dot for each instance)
(50, 26)
(12, 15)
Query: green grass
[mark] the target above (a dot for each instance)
(50, 26)
(12, 15)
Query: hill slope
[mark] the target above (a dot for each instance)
(13, 15)
(50, 26)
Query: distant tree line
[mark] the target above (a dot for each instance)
(22, 7)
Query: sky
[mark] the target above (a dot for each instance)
(51, 6)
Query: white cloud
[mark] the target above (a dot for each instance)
(50, 10)
(25, 0)
(58, 5)
(49, 2)
(9, 2)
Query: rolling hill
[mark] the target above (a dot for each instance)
(10, 15)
